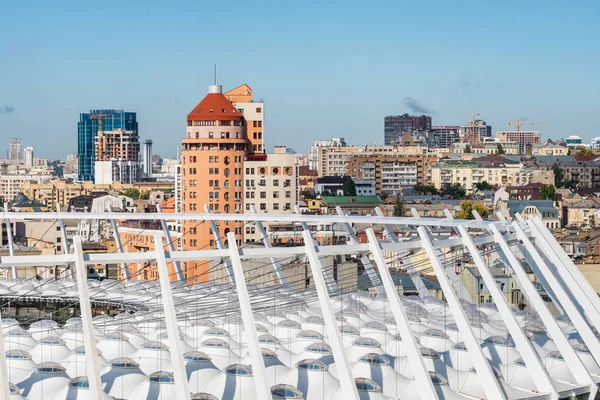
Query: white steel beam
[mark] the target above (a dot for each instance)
(89, 342)
(455, 282)
(9, 235)
(331, 283)
(171, 245)
(489, 383)
(413, 352)
(415, 277)
(220, 246)
(581, 374)
(537, 303)
(115, 229)
(265, 238)
(259, 371)
(339, 353)
(375, 281)
(182, 386)
(4, 387)
(323, 219)
(540, 377)
(578, 284)
(65, 243)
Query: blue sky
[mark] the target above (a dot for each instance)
(324, 70)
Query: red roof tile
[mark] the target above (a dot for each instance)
(215, 107)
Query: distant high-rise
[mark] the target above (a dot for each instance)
(396, 125)
(147, 158)
(28, 156)
(87, 132)
(474, 132)
(14, 151)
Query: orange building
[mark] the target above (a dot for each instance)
(253, 111)
(213, 154)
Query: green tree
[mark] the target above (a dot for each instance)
(559, 175)
(349, 188)
(327, 193)
(483, 185)
(468, 149)
(425, 189)
(466, 210)
(583, 151)
(308, 194)
(145, 195)
(547, 192)
(132, 192)
(499, 149)
(455, 190)
(399, 208)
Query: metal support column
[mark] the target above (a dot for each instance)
(542, 381)
(375, 281)
(124, 266)
(579, 371)
(65, 243)
(263, 391)
(335, 339)
(171, 245)
(182, 386)
(4, 389)
(489, 383)
(11, 250)
(265, 238)
(408, 265)
(455, 282)
(577, 283)
(89, 342)
(537, 303)
(413, 353)
(332, 285)
(220, 245)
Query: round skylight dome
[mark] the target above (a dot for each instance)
(18, 332)
(309, 334)
(50, 368)
(80, 382)
(155, 345)
(460, 346)
(268, 339)
(426, 352)
(288, 323)
(238, 370)
(437, 379)
(376, 325)
(498, 340)
(348, 330)
(366, 342)
(320, 348)
(196, 356)
(435, 333)
(216, 332)
(115, 336)
(366, 385)
(204, 396)
(18, 355)
(286, 392)
(374, 359)
(314, 320)
(215, 343)
(124, 362)
(161, 377)
(52, 341)
(310, 364)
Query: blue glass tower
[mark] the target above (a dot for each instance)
(87, 130)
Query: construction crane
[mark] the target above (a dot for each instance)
(518, 123)
(470, 136)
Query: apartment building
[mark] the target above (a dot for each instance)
(491, 169)
(253, 112)
(313, 153)
(270, 185)
(391, 173)
(333, 161)
(474, 132)
(523, 138)
(583, 174)
(492, 145)
(10, 185)
(543, 209)
(549, 148)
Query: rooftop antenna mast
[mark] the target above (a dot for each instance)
(215, 73)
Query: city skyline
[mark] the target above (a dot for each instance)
(536, 63)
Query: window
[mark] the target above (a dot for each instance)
(263, 195)
(258, 109)
(275, 182)
(275, 206)
(275, 195)
(288, 194)
(226, 185)
(210, 135)
(263, 206)
(262, 182)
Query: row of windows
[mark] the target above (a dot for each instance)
(257, 124)
(263, 195)
(263, 206)
(274, 170)
(263, 182)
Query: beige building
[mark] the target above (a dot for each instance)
(58, 192)
(490, 146)
(549, 148)
(271, 185)
(333, 161)
(11, 185)
(469, 173)
(543, 209)
(523, 138)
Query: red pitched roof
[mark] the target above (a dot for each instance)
(214, 106)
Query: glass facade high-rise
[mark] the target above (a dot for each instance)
(87, 130)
